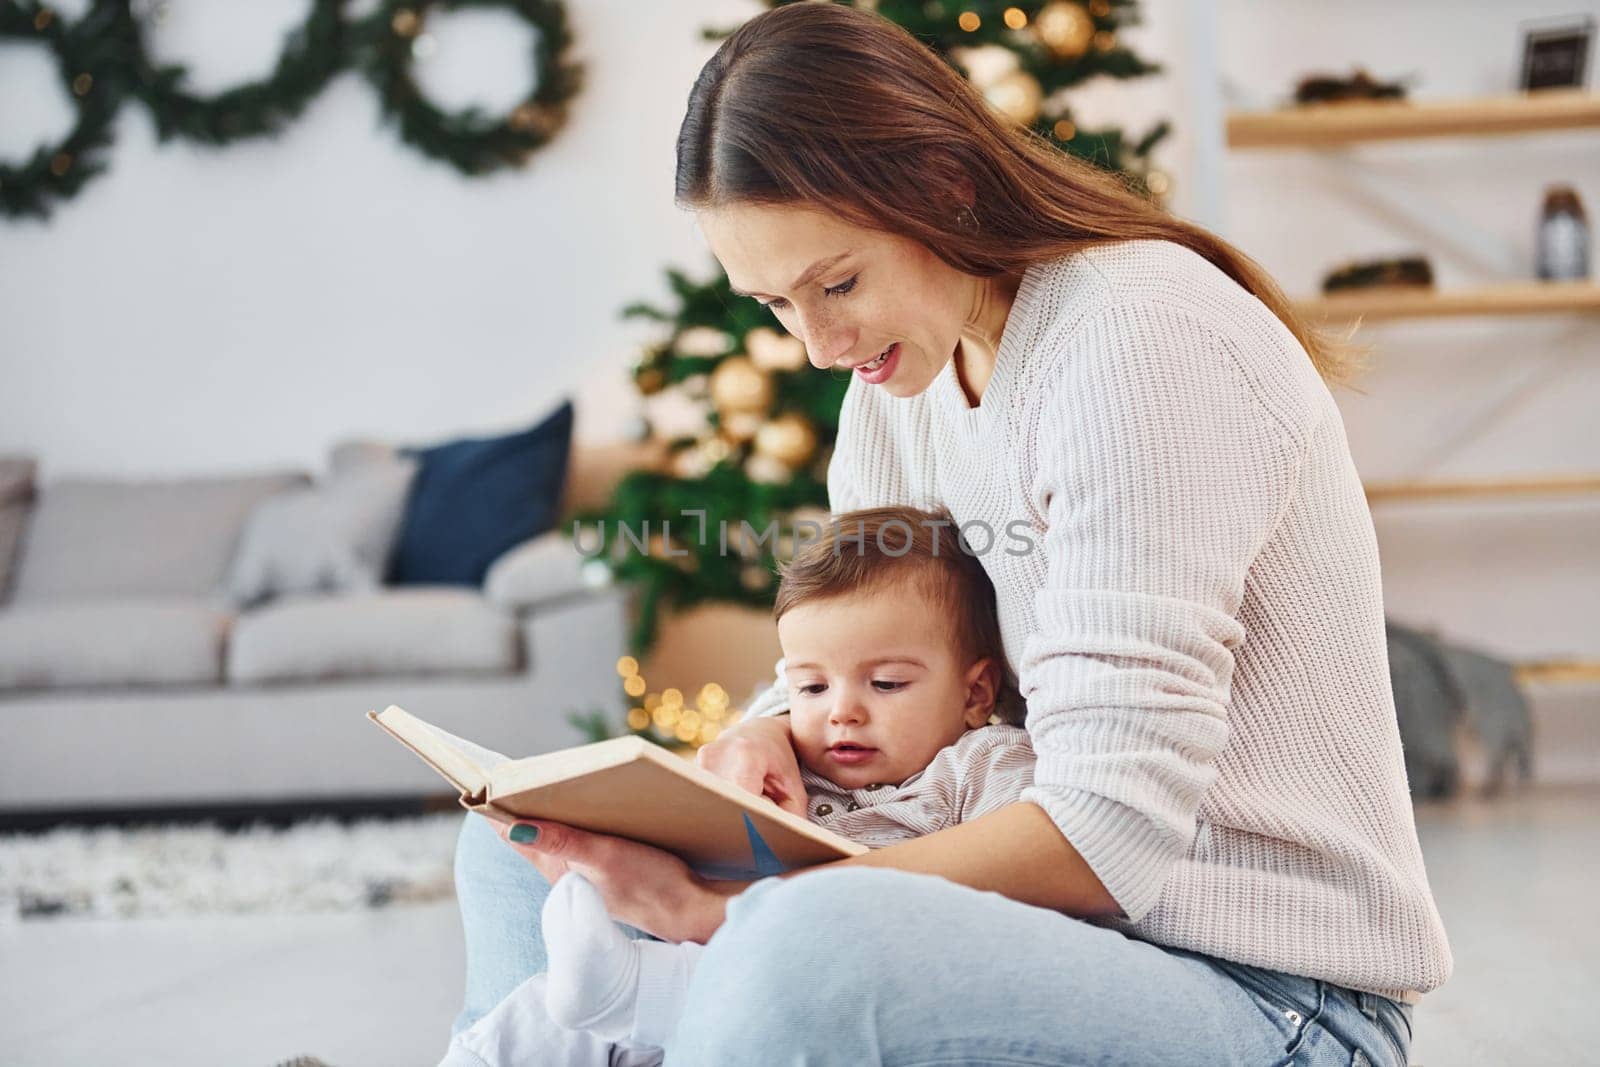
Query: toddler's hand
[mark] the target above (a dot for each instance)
(757, 755)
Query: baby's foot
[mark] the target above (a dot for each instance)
(602, 981)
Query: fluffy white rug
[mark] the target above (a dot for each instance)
(316, 865)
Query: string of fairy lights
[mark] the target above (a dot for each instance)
(667, 716)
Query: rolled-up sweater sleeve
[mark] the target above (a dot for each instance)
(1160, 475)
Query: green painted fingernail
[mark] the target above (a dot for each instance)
(523, 834)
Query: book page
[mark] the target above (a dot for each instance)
(462, 763)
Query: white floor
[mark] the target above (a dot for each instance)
(1515, 880)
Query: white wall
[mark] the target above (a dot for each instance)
(197, 311)
(209, 310)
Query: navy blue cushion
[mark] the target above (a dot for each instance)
(474, 499)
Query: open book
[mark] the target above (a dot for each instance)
(627, 787)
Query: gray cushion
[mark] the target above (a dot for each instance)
(103, 643)
(329, 538)
(542, 569)
(421, 630)
(91, 540)
(16, 500)
(358, 452)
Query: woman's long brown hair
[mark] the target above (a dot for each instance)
(817, 104)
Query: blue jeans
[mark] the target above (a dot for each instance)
(868, 965)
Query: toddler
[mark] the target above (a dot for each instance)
(902, 708)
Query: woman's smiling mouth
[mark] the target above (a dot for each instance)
(879, 369)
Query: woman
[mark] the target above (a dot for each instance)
(1217, 861)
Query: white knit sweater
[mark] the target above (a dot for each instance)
(1198, 626)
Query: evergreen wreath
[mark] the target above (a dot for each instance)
(91, 57)
(469, 140)
(313, 54)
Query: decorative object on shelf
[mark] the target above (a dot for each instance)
(1563, 244)
(313, 53)
(92, 59)
(1332, 89)
(1025, 57)
(1406, 271)
(1555, 53)
(1440, 687)
(470, 141)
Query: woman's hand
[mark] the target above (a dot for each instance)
(757, 755)
(642, 886)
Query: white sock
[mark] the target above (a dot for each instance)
(602, 981)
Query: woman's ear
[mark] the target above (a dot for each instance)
(983, 683)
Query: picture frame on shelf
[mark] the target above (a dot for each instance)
(1555, 53)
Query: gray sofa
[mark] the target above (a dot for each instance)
(127, 680)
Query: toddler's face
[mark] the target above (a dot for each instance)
(876, 688)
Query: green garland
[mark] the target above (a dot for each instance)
(470, 141)
(102, 60)
(312, 55)
(93, 65)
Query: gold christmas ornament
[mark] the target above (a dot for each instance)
(1017, 96)
(789, 439)
(649, 380)
(986, 64)
(1015, 18)
(772, 351)
(767, 470)
(405, 22)
(703, 342)
(1065, 28)
(969, 21)
(82, 84)
(736, 385)
(755, 577)
(689, 463)
(1158, 183)
(742, 426)
(1105, 41)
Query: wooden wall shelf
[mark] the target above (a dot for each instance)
(1384, 492)
(1420, 302)
(1557, 671)
(1331, 125)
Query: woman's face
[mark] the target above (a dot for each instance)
(850, 294)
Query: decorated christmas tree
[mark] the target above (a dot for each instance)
(744, 468)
